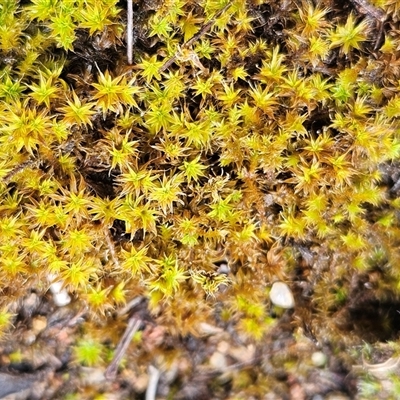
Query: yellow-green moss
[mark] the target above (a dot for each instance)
(264, 134)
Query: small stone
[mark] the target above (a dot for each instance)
(39, 324)
(29, 305)
(281, 296)
(29, 338)
(141, 383)
(319, 359)
(60, 295)
(218, 361)
(92, 376)
(243, 354)
(209, 330)
(224, 269)
(223, 347)
(10, 384)
(62, 298)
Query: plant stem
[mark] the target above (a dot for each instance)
(129, 33)
(153, 382)
(132, 327)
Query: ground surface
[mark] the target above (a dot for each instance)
(39, 361)
(339, 342)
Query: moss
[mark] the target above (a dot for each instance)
(264, 134)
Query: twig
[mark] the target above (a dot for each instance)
(368, 9)
(111, 247)
(196, 37)
(132, 327)
(365, 8)
(153, 382)
(129, 32)
(19, 168)
(382, 370)
(131, 304)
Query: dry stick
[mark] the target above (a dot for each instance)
(129, 33)
(196, 37)
(19, 168)
(111, 248)
(153, 382)
(131, 304)
(132, 327)
(367, 8)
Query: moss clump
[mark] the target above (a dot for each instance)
(266, 135)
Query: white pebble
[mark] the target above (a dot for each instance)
(281, 296)
(218, 361)
(61, 297)
(318, 358)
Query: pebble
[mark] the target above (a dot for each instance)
(218, 361)
(29, 338)
(319, 359)
(60, 295)
(29, 305)
(13, 384)
(39, 324)
(208, 329)
(243, 354)
(281, 296)
(224, 269)
(92, 376)
(223, 347)
(139, 380)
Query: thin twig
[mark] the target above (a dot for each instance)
(131, 304)
(129, 32)
(366, 8)
(194, 39)
(153, 382)
(19, 168)
(111, 247)
(132, 327)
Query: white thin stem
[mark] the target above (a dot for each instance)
(129, 32)
(153, 382)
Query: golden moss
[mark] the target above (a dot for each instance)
(266, 131)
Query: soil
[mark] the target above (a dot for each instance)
(298, 359)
